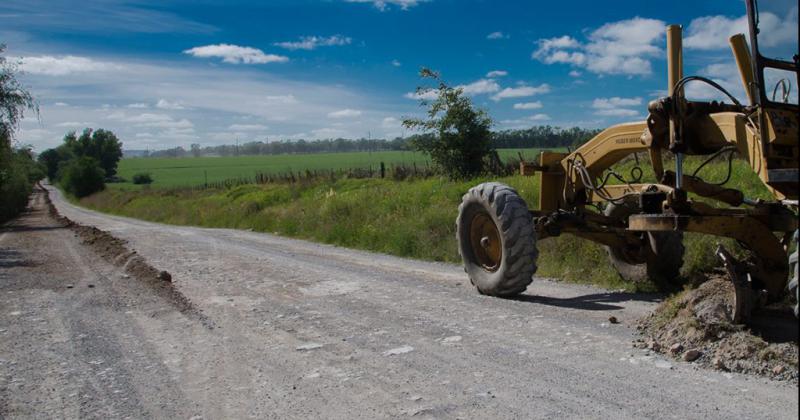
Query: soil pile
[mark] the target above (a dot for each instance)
(115, 251)
(697, 326)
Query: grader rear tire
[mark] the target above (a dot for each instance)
(660, 258)
(496, 239)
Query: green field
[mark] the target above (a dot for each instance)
(190, 171)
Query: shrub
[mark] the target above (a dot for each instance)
(142, 178)
(82, 177)
(458, 136)
(14, 190)
(18, 173)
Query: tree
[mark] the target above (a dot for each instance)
(53, 160)
(17, 169)
(82, 176)
(101, 145)
(14, 100)
(461, 140)
(196, 151)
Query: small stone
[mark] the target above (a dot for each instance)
(692, 355)
(452, 339)
(675, 348)
(653, 345)
(69, 286)
(398, 350)
(778, 369)
(663, 364)
(613, 320)
(308, 346)
(91, 286)
(718, 363)
(165, 276)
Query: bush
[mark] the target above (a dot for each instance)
(142, 178)
(82, 177)
(18, 173)
(459, 140)
(14, 188)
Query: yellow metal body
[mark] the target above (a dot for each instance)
(765, 136)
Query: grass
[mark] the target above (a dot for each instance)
(413, 218)
(184, 172)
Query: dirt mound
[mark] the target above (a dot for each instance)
(115, 251)
(696, 325)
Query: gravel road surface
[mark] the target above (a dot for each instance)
(293, 329)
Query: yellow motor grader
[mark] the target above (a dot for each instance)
(641, 224)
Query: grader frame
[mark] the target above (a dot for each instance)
(764, 133)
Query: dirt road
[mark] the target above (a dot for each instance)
(300, 330)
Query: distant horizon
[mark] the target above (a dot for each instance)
(389, 142)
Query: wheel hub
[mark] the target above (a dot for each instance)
(485, 241)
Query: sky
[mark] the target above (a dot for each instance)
(162, 74)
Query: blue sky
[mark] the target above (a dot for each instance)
(163, 74)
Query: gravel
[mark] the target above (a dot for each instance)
(544, 355)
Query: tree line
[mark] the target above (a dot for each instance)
(534, 137)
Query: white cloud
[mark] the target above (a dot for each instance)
(428, 95)
(480, 87)
(60, 66)
(74, 124)
(521, 92)
(615, 102)
(497, 35)
(60, 104)
(549, 44)
(712, 32)
(619, 112)
(312, 42)
(497, 73)
(165, 104)
(383, 5)
(396, 63)
(328, 132)
(138, 105)
(248, 127)
(281, 99)
(575, 73)
(172, 124)
(151, 120)
(390, 122)
(235, 54)
(345, 113)
(622, 47)
(615, 106)
(528, 105)
(525, 122)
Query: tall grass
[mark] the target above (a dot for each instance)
(411, 218)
